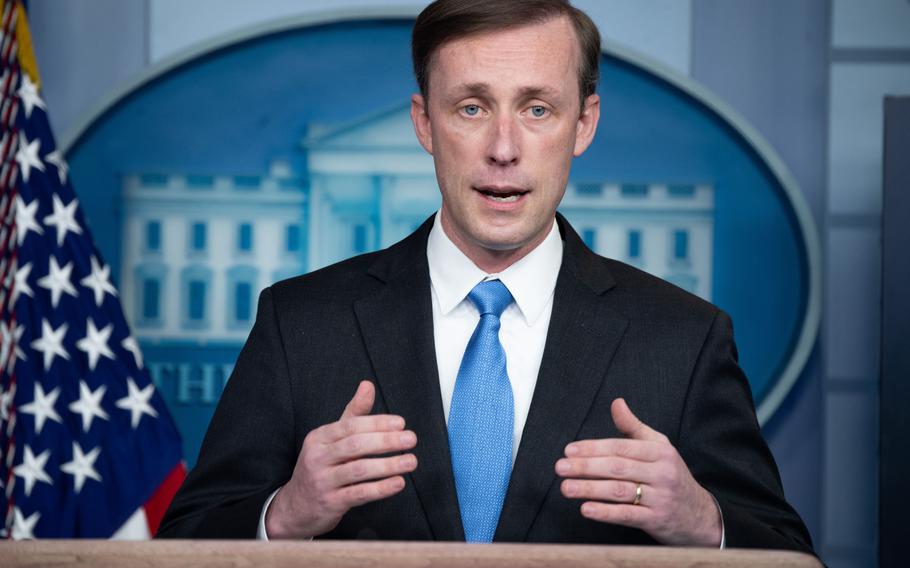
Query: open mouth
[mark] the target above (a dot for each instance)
(502, 194)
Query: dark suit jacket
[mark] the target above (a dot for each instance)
(614, 332)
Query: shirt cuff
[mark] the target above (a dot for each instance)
(261, 534)
(723, 531)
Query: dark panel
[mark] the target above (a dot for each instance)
(895, 378)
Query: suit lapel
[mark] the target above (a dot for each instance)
(397, 327)
(583, 335)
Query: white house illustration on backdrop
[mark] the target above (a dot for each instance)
(198, 248)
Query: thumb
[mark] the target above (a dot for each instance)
(630, 425)
(362, 403)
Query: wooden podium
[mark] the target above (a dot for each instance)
(375, 554)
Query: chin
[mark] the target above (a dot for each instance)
(502, 242)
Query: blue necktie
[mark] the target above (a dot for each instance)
(481, 418)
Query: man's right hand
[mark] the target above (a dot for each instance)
(335, 470)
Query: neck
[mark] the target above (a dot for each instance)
(491, 261)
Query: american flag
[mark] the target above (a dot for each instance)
(88, 447)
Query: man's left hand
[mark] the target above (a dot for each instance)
(672, 507)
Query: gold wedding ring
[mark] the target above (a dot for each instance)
(637, 500)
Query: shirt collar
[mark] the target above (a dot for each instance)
(531, 280)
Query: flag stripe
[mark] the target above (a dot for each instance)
(156, 506)
(8, 313)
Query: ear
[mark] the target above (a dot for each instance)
(421, 121)
(587, 124)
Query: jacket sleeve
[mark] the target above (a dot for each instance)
(721, 442)
(249, 449)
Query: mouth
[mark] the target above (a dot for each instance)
(501, 194)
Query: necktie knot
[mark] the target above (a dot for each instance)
(490, 297)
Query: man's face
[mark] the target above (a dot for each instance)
(503, 123)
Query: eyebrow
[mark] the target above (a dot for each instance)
(535, 92)
(480, 89)
(473, 89)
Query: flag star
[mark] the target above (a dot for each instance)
(82, 466)
(25, 219)
(31, 470)
(28, 92)
(42, 407)
(57, 281)
(64, 218)
(99, 281)
(24, 528)
(89, 405)
(17, 338)
(27, 156)
(95, 343)
(51, 343)
(56, 159)
(131, 345)
(22, 286)
(137, 402)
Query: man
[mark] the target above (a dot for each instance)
(504, 358)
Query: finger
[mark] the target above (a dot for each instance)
(372, 468)
(330, 433)
(623, 469)
(630, 425)
(618, 514)
(371, 444)
(363, 493)
(362, 402)
(602, 490)
(643, 450)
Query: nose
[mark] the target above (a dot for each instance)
(504, 142)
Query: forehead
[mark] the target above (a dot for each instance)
(541, 55)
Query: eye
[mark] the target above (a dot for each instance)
(538, 111)
(471, 110)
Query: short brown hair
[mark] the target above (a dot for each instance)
(447, 20)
